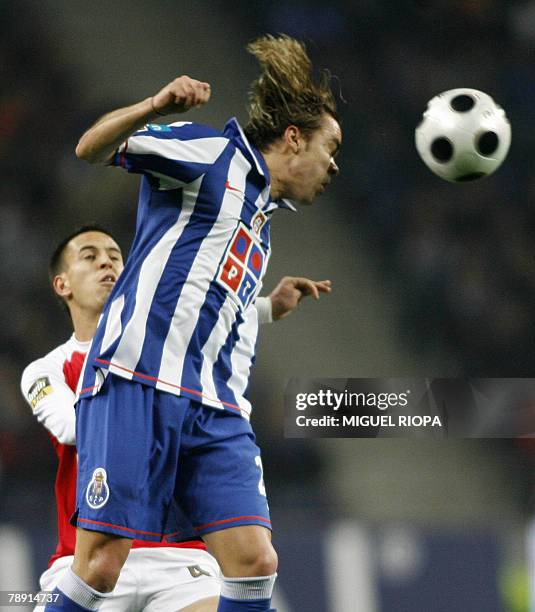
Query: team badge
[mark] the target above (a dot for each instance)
(98, 491)
(258, 222)
(39, 390)
(242, 265)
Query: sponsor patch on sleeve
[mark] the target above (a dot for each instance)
(40, 389)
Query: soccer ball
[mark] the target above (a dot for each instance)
(464, 135)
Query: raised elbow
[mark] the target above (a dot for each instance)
(90, 154)
(83, 152)
(80, 152)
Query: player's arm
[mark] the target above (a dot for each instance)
(51, 401)
(99, 143)
(286, 297)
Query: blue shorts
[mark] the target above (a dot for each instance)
(152, 465)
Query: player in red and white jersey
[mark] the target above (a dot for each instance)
(158, 576)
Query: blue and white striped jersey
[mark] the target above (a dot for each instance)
(181, 316)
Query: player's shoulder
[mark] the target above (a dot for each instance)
(50, 364)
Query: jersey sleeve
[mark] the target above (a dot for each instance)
(264, 309)
(171, 155)
(51, 401)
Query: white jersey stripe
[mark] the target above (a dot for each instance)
(237, 173)
(202, 150)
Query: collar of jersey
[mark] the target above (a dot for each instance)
(234, 131)
(81, 345)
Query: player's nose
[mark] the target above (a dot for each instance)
(333, 167)
(105, 261)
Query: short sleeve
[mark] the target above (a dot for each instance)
(51, 401)
(176, 154)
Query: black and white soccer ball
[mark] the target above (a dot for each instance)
(464, 135)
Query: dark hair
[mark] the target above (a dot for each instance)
(56, 264)
(285, 93)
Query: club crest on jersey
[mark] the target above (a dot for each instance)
(258, 222)
(98, 491)
(242, 265)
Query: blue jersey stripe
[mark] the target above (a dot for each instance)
(157, 212)
(223, 365)
(250, 207)
(265, 233)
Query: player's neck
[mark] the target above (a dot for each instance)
(276, 163)
(84, 324)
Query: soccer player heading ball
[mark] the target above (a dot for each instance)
(162, 411)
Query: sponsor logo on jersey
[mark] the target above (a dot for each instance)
(229, 186)
(98, 491)
(242, 265)
(158, 127)
(40, 389)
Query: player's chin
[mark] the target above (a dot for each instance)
(103, 292)
(309, 199)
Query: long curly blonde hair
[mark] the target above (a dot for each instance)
(285, 93)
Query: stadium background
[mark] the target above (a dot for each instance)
(430, 279)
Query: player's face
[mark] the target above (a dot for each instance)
(312, 169)
(93, 263)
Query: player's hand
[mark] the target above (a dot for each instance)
(180, 95)
(291, 290)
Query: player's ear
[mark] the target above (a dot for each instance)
(61, 285)
(293, 138)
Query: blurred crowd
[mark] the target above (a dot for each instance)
(457, 259)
